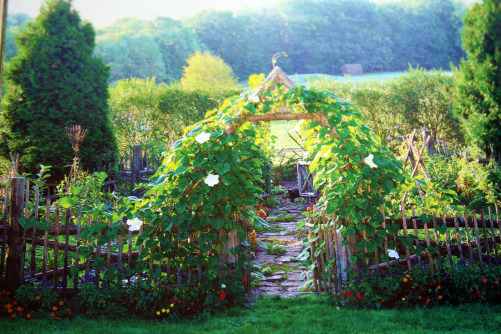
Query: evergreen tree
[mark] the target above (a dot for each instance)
(479, 78)
(54, 82)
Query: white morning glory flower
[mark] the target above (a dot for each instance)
(393, 253)
(211, 180)
(134, 224)
(202, 137)
(223, 286)
(369, 161)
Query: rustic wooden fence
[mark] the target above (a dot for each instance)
(60, 253)
(124, 174)
(473, 239)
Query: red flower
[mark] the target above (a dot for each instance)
(244, 280)
(359, 296)
(484, 280)
(350, 295)
(343, 294)
(222, 295)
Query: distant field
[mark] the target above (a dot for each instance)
(303, 79)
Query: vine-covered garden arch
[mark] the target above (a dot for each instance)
(200, 203)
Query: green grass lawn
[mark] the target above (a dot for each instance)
(282, 129)
(297, 315)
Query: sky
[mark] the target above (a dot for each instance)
(102, 13)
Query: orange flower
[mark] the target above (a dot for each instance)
(439, 287)
(9, 310)
(60, 303)
(440, 297)
(496, 282)
(38, 297)
(419, 297)
(54, 309)
(484, 280)
(13, 316)
(471, 289)
(405, 280)
(28, 316)
(19, 309)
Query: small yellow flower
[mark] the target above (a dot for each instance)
(158, 312)
(403, 298)
(163, 310)
(171, 305)
(168, 310)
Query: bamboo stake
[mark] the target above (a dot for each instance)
(88, 243)
(468, 237)
(33, 236)
(98, 253)
(77, 251)
(67, 241)
(484, 229)
(407, 251)
(428, 243)
(56, 245)
(386, 234)
(448, 243)
(108, 250)
(440, 266)
(45, 243)
(458, 237)
(493, 231)
(416, 232)
(479, 250)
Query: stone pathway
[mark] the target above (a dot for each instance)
(282, 272)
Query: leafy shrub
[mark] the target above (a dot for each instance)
(395, 107)
(397, 288)
(275, 249)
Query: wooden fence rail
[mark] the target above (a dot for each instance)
(57, 253)
(473, 239)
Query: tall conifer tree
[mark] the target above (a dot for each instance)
(479, 78)
(55, 82)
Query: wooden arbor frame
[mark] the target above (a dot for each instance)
(278, 76)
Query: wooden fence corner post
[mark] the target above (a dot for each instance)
(15, 241)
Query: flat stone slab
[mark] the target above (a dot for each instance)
(273, 278)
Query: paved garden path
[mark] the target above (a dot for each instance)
(282, 272)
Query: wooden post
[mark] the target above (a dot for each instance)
(135, 167)
(15, 242)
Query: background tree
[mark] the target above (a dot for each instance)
(137, 48)
(55, 82)
(479, 79)
(209, 73)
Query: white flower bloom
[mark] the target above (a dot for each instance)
(211, 180)
(134, 224)
(223, 286)
(202, 137)
(369, 161)
(393, 253)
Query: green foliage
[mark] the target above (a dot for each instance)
(478, 85)
(142, 112)
(55, 82)
(208, 73)
(140, 49)
(320, 36)
(465, 284)
(476, 185)
(395, 107)
(275, 249)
